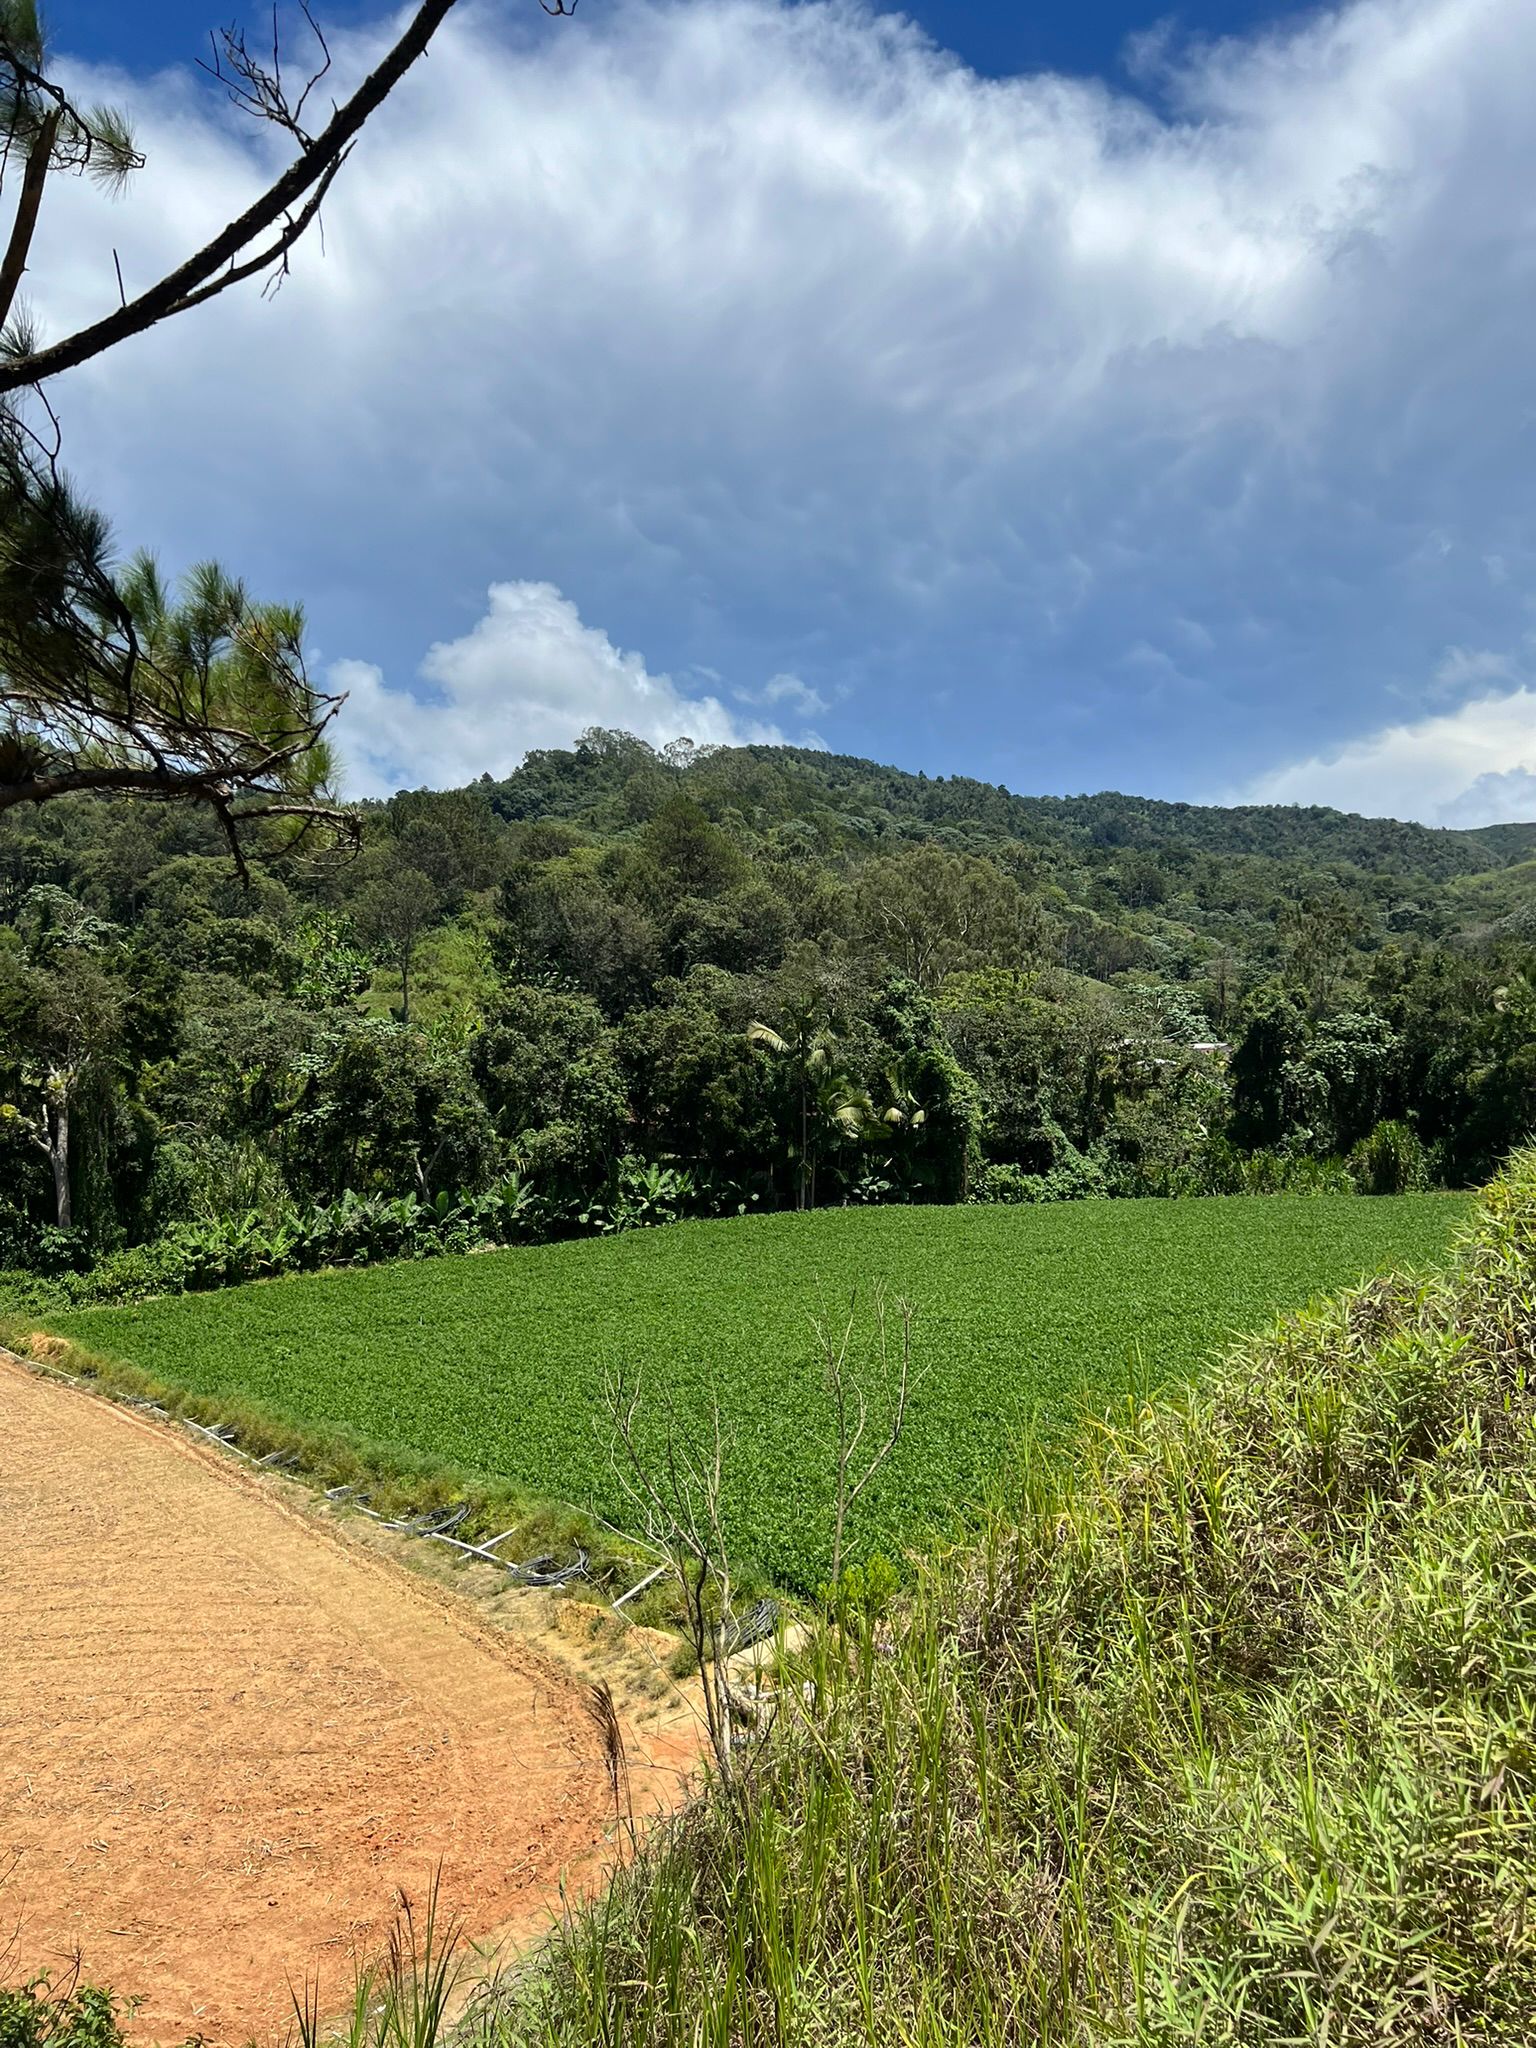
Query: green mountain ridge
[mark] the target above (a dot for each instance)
(773, 784)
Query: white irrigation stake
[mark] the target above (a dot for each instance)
(214, 1436)
(474, 1549)
(649, 1580)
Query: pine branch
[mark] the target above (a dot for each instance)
(223, 262)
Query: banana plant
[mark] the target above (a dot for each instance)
(641, 1193)
(906, 1116)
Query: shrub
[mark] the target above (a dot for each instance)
(1287, 1173)
(641, 1194)
(1271, 1170)
(357, 1230)
(1075, 1177)
(40, 2014)
(135, 1274)
(1391, 1161)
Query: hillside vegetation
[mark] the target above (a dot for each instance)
(1022, 1315)
(1223, 1733)
(622, 986)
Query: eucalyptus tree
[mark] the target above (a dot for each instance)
(59, 1020)
(395, 911)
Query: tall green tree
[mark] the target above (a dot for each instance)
(928, 912)
(548, 1070)
(65, 1022)
(395, 912)
(1268, 1077)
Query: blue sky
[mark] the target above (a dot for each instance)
(998, 38)
(1062, 397)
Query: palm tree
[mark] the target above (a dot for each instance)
(840, 1111)
(829, 1104)
(906, 1111)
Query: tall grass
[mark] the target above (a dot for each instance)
(403, 2001)
(1225, 1734)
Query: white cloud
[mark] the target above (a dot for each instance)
(528, 674)
(1472, 766)
(1462, 670)
(1494, 800)
(786, 689)
(797, 349)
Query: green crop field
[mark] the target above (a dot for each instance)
(499, 1361)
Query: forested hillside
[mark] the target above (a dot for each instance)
(620, 985)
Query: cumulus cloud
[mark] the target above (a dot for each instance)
(528, 674)
(1038, 428)
(1472, 766)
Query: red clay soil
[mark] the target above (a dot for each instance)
(228, 1733)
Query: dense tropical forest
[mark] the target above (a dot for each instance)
(621, 986)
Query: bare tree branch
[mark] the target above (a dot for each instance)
(850, 1406)
(35, 176)
(289, 199)
(255, 89)
(678, 1501)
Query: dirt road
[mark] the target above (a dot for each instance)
(227, 1732)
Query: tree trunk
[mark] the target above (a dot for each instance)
(58, 1150)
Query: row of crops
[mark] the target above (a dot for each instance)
(501, 1362)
